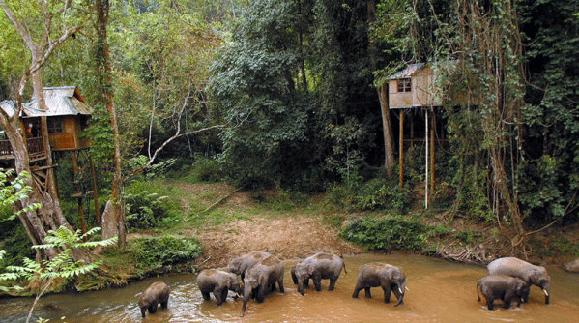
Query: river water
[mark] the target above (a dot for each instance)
(439, 291)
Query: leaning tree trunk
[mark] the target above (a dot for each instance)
(106, 84)
(382, 91)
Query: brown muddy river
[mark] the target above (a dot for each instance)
(439, 291)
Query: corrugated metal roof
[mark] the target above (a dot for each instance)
(408, 71)
(8, 107)
(60, 101)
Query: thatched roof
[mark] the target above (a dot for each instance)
(60, 101)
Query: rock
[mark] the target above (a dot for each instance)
(108, 222)
(572, 266)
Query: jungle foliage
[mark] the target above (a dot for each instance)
(282, 94)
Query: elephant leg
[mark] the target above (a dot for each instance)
(367, 293)
(357, 290)
(306, 283)
(507, 300)
(280, 285)
(387, 294)
(164, 304)
(218, 292)
(260, 297)
(332, 282)
(318, 284)
(206, 295)
(490, 302)
(153, 307)
(224, 295)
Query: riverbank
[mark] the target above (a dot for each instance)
(209, 223)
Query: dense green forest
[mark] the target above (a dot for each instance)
(288, 97)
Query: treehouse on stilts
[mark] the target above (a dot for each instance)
(66, 116)
(412, 94)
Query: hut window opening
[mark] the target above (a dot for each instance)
(55, 125)
(404, 85)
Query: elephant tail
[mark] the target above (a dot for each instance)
(344, 265)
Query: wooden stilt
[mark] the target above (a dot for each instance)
(426, 159)
(433, 152)
(401, 148)
(411, 130)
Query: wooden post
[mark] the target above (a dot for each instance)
(433, 152)
(80, 211)
(426, 159)
(401, 148)
(411, 130)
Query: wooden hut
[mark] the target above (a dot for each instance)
(413, 88)
(67, 115)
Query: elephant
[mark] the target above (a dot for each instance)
(515, 267)
(157, 293)
(240, 265)
(572, 266)
(295, 278)
(316, 267)
(218, 282)
(502, 287)
(260, 279)
(392, 280)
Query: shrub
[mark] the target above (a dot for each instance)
(386, 233)
(144, 210)
(153, 253)
(375, 194)
(205, 170)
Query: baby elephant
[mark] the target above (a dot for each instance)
(390, 278)
(502, 287)
(219, 283)
(157, 293)
(316, 267)
(240, 265)
(261, 279)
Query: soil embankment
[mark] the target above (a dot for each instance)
(288, 238)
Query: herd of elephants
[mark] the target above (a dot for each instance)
(256, 273)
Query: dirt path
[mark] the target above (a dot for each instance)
(288, 238)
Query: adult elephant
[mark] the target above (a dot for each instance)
(515, 267)
(316, 267)
(261, 278)
(391, 278)
(240, 265)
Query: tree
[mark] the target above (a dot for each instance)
(106, 88)
(50, 216)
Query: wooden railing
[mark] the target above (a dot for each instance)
(34, 147)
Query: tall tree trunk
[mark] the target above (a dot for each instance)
(106, 84)
(382, 91)
(387, 129)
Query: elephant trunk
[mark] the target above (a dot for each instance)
(301, 288)
(246, 296)
(547, 295)
(399, 292)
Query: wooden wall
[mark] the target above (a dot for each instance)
(422, 94)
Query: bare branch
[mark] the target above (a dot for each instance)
(51, 46)
(20, 26)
